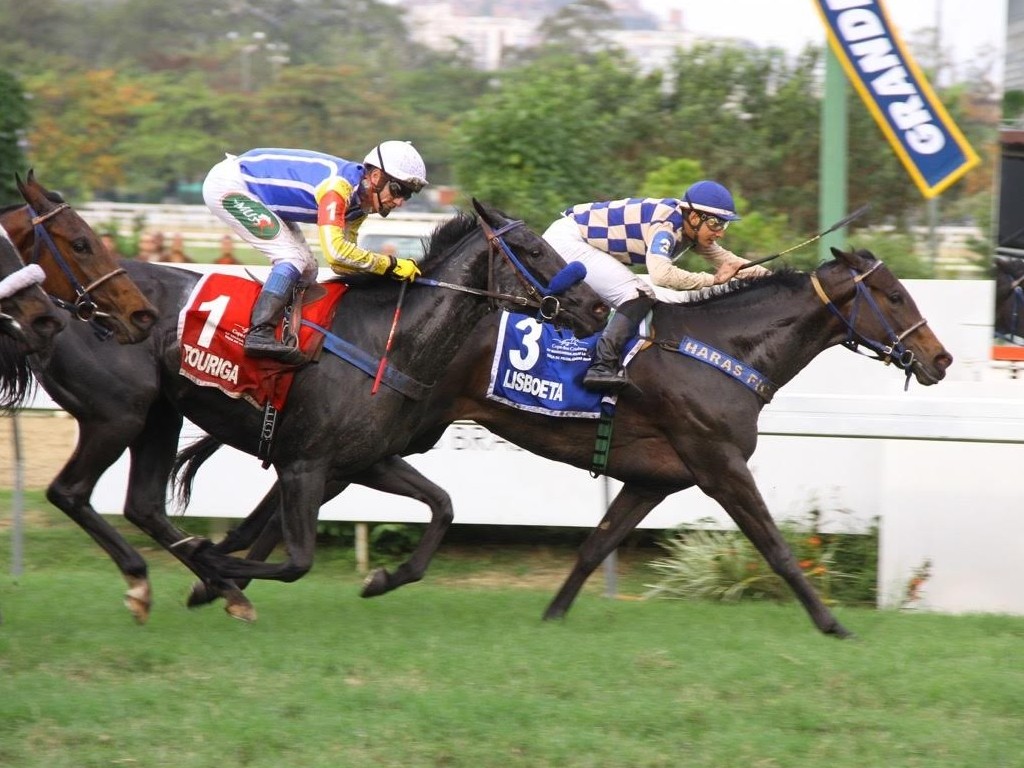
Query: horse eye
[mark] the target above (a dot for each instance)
(895, 297)
(81, 245)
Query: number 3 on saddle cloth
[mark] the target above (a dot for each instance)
(539, 368)
(212, 327)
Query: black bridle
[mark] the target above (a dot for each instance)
(892, 350)
(537, 296)
(83, 307)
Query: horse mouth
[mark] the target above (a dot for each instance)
(934, 373)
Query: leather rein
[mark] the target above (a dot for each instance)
(547, 305)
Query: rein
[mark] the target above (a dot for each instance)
(895, 352)
(548, 306)
(83, 307)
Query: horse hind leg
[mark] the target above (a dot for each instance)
(630, 506)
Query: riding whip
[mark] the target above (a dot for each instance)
(391, 338)
(838, 225)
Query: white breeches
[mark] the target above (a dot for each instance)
(612, 279)
(225, 193)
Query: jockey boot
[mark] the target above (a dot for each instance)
(267, 312)
(605, 374)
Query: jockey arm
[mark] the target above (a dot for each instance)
(338, 237)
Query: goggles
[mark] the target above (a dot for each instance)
(714, 223)
(403, 190)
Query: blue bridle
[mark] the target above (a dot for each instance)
(894, 351)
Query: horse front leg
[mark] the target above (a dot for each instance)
(395, 475)
(152, 455)
(629, 507)
(100, 444)
(732, 485)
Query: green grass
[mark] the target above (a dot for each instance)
(459, 671)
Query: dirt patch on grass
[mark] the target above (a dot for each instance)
(47, 440)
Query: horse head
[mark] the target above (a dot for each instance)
(877, 312)
(518, 270)
(81, 275)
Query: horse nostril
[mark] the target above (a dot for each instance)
(944, 360)
(144, 319)
(48, 326)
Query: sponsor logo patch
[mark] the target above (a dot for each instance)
(253, 215)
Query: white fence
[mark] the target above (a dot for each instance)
(936, 466)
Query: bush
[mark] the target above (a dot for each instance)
(704, 564)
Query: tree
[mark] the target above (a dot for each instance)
(13, 122)
(554, 133)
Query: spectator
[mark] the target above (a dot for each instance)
(227, 251)
(147, 248)
(176, 254)
(159, 246)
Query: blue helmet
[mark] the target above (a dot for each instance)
(712, 198)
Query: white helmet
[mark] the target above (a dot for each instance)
(400, 161)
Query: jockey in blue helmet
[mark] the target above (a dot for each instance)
(609, 237)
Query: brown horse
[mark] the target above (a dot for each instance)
(684, 424)
(81, 275)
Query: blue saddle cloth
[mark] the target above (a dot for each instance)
(539, 368)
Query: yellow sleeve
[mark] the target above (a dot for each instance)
(338, 238)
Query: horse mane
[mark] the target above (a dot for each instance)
(1010, 265)
(446, 236)
(786, 277)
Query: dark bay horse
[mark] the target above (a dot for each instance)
(1009, 319)
(684, 424)
(28, 323)
(81, 275)
(133, 397)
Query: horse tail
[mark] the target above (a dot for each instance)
(187, 464)
(17, 384)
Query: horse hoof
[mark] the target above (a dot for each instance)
(241, 611)
(375, 584)
(200, 595)
(138, 600)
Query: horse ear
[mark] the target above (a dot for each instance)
(488, 214)
(19, 182)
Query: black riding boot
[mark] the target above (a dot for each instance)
(605, 374)
(260, 340)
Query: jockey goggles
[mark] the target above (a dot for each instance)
(714, 223)
(403, 190)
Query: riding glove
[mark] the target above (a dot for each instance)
(405, 269)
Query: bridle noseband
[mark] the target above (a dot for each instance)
(895, 352)
(547, 304)
(83, 307)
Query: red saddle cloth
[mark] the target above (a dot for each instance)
(211, 330)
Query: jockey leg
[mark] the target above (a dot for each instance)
(605, 374)
(267, 313)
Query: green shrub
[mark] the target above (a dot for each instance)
(704, 564)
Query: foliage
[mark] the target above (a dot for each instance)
(129, 99)
(13, 122)
(521, 149)
(705, 564)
